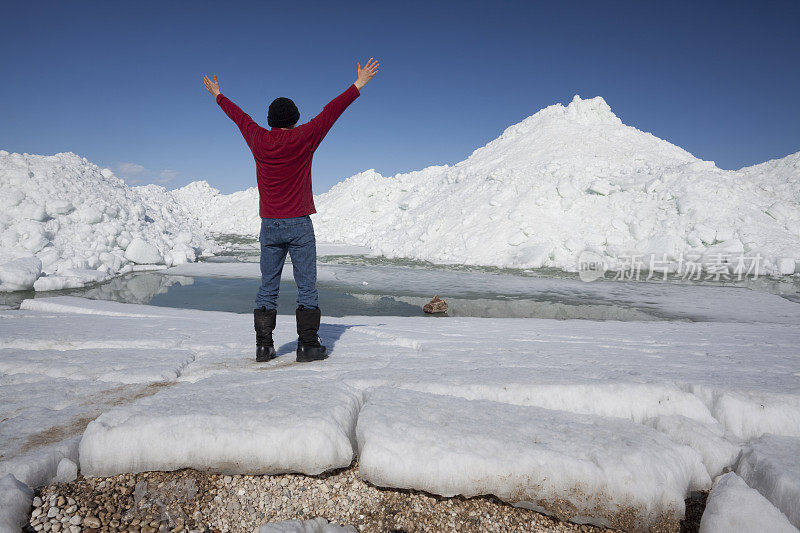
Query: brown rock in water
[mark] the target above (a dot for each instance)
(437, 305)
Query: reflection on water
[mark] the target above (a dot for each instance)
(376, 298)
(135, 288)
(237, 295)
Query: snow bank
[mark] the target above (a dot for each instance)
(733, 506)
(235, 213)
(771, 465)
(569, 179)
(234, 424)
(64, 222)
(581, 468)
(317, 525)
(15, 503)
(751, 413)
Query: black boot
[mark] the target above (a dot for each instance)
(264, 321)
(308, 345)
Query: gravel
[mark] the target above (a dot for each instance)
(200, 502)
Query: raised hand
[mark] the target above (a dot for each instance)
(365, 74)
(212, 86)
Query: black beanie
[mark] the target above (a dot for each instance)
(282, 113)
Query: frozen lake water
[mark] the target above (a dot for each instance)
(351, 282)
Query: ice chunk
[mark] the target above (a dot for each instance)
(601, 187)
(238, 424)
(583, 468)
(771, 465)
(19, 274)
(15, 504)
(143, 253)
(732, 506)
(32, 211)
(786, 265)
(317, 525)
(90, 215)
(705, 233)
(38, 466)
(67, 471)
(708, 439)
(59, 207)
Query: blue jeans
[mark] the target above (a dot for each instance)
(295, 236)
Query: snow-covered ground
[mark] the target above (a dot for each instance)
(575, 417)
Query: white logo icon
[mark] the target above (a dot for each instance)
(591, 266)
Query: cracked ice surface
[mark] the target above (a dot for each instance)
(698, 390)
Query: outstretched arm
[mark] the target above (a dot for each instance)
(323, 122)
(246, 125)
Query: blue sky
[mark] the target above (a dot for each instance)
(120, 83)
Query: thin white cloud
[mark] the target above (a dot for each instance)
(130, 169)
(136, 174)
(168, 175)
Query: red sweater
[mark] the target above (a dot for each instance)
(283, 157)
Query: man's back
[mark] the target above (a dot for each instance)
(284, 156)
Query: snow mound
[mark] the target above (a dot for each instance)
(569, 179)
(65, 222)
(232, 424)
(733, 506)
(771, 465)
(235, 213)
(582, 468)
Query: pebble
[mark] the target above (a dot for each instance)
(189, 501)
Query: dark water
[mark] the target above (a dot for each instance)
(350, 297)
(237, 296)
